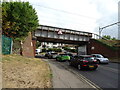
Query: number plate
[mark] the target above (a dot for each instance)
(91, 66)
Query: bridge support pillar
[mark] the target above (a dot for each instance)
(27, 47)
(82, 50)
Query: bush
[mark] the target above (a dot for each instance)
(44, 50)
(58, 50)
(69, 49)
(73, 50)
(54, 49)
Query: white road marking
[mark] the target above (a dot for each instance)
(83, 78)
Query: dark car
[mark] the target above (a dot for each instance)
(47, 54)
(84, 62)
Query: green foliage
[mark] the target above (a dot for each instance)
(66, 48)
(108, 43)
(108, 37)
(73, 50)
(44, 50)
(114, 38)
(38, 44)
(69, 49)
(58, 50)
(18, 18)
(50, 49)
(54, 49)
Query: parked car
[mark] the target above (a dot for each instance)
(48, 53)
(71, 56)
(100, 58)
(42, 54)
(62, 57)
(84, 62)
(37, 51)
(52, 55)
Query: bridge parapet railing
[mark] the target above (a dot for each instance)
(56, 29)
(96, 36)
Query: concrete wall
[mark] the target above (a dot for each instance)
(82, 50)
(27, 47)
(95, 47)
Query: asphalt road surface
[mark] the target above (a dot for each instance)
(106, 75)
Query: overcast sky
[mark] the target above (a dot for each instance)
(81, 15)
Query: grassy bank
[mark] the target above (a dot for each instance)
(22, 72)
(110, 43)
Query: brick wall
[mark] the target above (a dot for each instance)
(95, 47)
(27, 47)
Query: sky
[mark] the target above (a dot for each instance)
(81, 15)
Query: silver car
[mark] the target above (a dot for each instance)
(100, 58)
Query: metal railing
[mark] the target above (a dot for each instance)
(70, 31)
(64, 30)
(96, 36)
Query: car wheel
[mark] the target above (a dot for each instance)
(98, 61)
(79, 67)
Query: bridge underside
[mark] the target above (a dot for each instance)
(53, 40)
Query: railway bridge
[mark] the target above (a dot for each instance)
(62, 35)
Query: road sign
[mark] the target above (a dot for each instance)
(60, 32)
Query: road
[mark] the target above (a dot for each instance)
(106, 76)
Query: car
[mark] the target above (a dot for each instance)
(48, 53)
(62, 57)
(84, 62)
(42, 54)
(69, 54)
(52, 55)
(100, 58)
(37, 51)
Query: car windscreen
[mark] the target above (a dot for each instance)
(89, 58)
(63, 55)
(99, 56)
(53, 53)
(70, 55)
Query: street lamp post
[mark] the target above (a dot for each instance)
(100, 29)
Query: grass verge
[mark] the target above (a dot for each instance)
(23, 72)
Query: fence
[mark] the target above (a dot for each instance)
(6, 45)
(96, 36)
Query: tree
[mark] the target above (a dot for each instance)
(38, 44)
(109, 37)
(19, 18)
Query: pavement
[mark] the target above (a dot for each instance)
(117, 60)
(63, 78)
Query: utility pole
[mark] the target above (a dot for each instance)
(101, 29)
